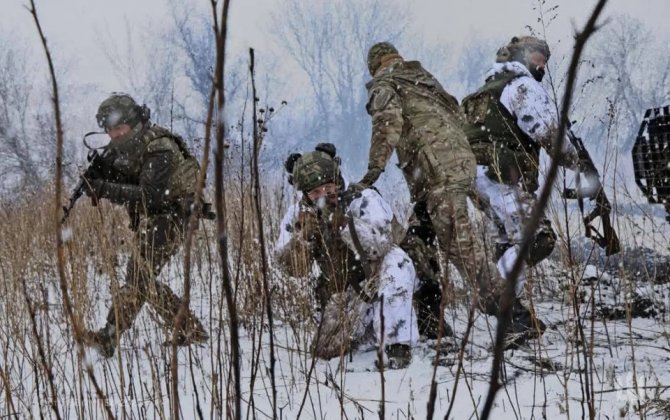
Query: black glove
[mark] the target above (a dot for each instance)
(354, 190)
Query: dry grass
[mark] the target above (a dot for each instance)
(136, 380)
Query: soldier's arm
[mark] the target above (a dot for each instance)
(536, 116)
(292, 251)
(372, 217)
(386, 111)
(152, 192)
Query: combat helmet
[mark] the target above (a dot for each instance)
(310, 170)
(518, 50)
(121, 108)
(376, 53)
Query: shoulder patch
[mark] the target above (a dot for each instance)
(162, 144)
(379, 98)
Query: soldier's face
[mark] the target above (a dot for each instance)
(536, 64)
(326, 192)
(537, 59)
(115, 133)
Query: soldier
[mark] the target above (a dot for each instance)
(509, 120)
(352, 244)
(413, 115)
(150, 171)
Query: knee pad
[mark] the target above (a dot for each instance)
(542, 246)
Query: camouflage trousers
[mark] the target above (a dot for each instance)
(350, 323)
(420, 244)
(511, 206)
(446, 213)
(157, 238)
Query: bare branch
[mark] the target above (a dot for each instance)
(60, 247)
(258, 139)
(536, 215)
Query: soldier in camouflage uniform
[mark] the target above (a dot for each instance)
(150, 171)
(357, 269)
(414, 116)
(509, 120)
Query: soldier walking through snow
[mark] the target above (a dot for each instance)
(509, 120)
(150, 172)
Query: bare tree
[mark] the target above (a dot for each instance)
(26, 123)
(631, 70)
(474, 61)
(329, 42)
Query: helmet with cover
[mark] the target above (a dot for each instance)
(313, 169)
(377, 52)
(520, 49)
(121, 108)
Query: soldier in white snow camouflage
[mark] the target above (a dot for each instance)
(509, 120)
(360, 272)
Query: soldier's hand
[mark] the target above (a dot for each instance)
(352, 192)
(591, 184)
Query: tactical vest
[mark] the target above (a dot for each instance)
(183, 180)
(128, 158)
(495, 138)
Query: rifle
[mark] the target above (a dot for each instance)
(96, 170)
(608, 239)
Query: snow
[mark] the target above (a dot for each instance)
(66, 234)
(629, 362)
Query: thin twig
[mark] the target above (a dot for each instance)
(60, 246)
(220, 201)
(380, 358)
(538, 210)
(440, 331)
(258, 139)
(461, 353)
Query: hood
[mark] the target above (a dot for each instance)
(509, 66)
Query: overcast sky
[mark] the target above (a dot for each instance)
(74, 27)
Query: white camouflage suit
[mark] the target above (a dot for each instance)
(535, 114)
(347, 319)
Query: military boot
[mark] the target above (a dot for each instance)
(103, 340)
(429, 325)
(427, 302)
(399, 356)
(523, 326)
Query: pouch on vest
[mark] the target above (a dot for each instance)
(509, 166)
(476, 111)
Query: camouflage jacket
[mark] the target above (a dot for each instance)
(152, 172)
(412, 114)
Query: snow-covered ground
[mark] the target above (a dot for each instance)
(627, 364)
